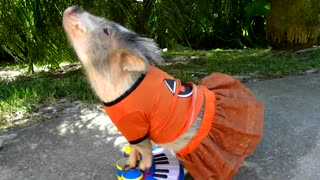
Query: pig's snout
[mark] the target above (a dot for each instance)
(73, 10)
(72, 21)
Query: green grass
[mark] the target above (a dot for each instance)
(26, 94)
(263, 63)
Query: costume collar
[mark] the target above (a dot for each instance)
(127, 93)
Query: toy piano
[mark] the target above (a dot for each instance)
(165, 166)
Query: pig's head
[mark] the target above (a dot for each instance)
(103, 44)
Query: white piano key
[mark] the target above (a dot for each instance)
(168, 178)
(173, 164)
(167, 152)
(171, 174)
(165, 159)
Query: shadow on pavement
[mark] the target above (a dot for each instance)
(84, 144)
(81, 145)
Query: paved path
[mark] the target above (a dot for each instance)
(85, 145)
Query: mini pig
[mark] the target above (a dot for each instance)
(212, 127)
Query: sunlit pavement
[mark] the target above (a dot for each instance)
(85, 144)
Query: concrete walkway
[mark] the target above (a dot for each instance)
(85, 145)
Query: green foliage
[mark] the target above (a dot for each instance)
(226, 23)
(258, 8)
(31, 31)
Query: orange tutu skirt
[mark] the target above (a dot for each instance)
(236, 130)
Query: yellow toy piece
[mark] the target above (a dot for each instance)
(131, 174)
(126, 151)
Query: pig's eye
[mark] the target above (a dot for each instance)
(106, 30)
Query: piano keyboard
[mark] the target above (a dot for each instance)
(165, 166)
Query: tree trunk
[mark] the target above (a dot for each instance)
(293, 24)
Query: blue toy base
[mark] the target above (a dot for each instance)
(165, 166)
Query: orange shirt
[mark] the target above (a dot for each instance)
(159, 107)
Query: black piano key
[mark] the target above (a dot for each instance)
(162, 170)
(160, 159)
(160, 176)
(162, 162)
(160, 155)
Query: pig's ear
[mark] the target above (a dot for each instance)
(132, 63)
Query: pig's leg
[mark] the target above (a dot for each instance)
(133, 159)
(145, 149)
